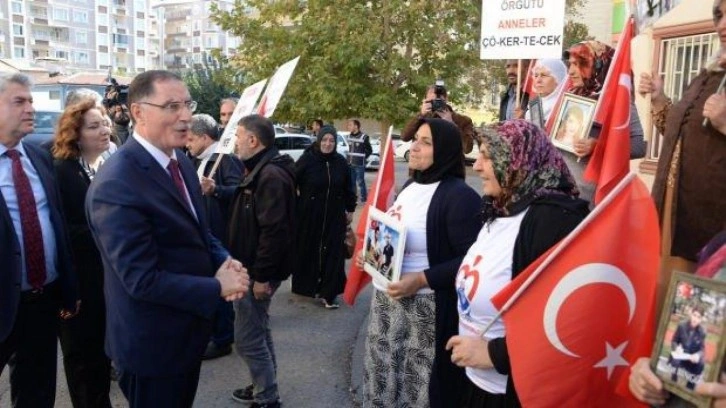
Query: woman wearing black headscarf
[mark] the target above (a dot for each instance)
(411, 320)
(325, 205)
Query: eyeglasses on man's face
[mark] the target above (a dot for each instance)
(174, 107)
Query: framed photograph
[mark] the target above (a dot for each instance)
(689, 347)
(385, 240)
(573, 121)
(535, 113)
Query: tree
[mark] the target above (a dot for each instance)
(369, 59)
(211, 82)
(574, 33)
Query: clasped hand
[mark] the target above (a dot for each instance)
(467, 351)
(233, 279)
(208, 185)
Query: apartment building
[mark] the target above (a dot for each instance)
(79, 35)
(188, 34)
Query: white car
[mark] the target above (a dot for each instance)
(293, 144)
(403, 152)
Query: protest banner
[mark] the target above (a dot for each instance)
(245, 106)
(276, 87)
(515, 29)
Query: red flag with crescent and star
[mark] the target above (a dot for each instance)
(610, 160)
(381, 197)
(575, 331)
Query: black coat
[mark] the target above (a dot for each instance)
(324, 196)
(217, 206)
(262, 225)
(73, 184)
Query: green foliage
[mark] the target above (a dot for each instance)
(574, 33)
(210, 82)
(369, 59)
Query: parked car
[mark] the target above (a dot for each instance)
(373, 162)
(292, 144)
(403, 151)
(44, 123)
(279, 130)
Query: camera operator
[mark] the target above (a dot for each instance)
(115, 102)
(435, 105)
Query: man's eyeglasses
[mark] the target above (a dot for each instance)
(175, 107)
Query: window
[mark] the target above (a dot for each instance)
(41, 34)
(80, 16)
(54, 96)
(140, 43)
(681, 59)
(102, 19)
(18, 30)
(17, 7)
(60, 14)
(18, 52)
(80, 57)
(301, 142)
(282, 143)
(121, 40)
(61, 54)
(81, 37)
(102, 39)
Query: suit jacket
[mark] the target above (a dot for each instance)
(523, 103)
(11, 257)
(217, 206)
(159, 263)
(73, 182)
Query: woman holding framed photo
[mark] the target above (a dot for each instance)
(412, 318)
(588, 63)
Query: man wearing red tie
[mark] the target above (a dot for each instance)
(147, 217)
(36, 277)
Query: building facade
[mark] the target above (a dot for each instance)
(187, 33)
(78, 35)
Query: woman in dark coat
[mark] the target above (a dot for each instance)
(325, 206)
(83, 135)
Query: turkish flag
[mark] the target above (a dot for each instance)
(586, 312)
(381, 196)
(610, 161)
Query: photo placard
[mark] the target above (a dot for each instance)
(383, 246)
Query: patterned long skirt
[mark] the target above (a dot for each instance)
(399, 351)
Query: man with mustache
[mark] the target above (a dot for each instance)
(36, 277)
(507, 106)
(147, 217)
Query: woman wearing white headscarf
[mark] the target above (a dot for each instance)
(549, 78)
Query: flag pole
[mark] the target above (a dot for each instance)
(382, 165)
(561, 247)
(518, 85)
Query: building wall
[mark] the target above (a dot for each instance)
(598, 16)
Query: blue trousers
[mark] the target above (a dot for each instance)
(357, 175)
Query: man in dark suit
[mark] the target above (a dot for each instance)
(218, 191)
(36, 277)
(147, 217)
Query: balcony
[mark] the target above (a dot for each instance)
(178, 15)
(121, 40)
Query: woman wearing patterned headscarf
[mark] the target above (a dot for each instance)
(549, 78)
(325, 204)
(588, 63)
(411, 319)
(530, 203)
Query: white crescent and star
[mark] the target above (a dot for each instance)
(583, 275)
(626, 82)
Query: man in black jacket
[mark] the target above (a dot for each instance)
(263, 237)
(218, 191)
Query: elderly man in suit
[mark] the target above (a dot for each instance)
(36, 278)
(147, 217)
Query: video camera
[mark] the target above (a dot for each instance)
(438, 104)
(115, 94)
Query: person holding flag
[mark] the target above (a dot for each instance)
(589, 72)
(531, 202)
(412, 318)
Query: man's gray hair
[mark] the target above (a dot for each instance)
(231, 100)
(203, 124)
(81, 94)
(15, 78)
